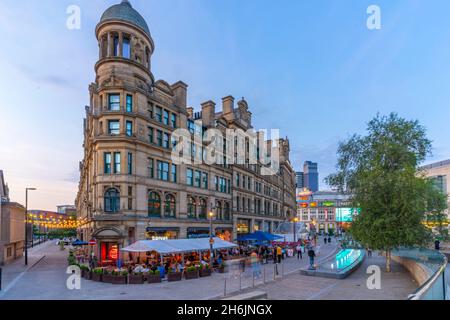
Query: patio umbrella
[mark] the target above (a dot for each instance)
(79, 243)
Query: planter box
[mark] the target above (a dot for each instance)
(107, 278)
(174, 276)
(86, 274)
(205, 272)
(135, 279)
(191, 275)
(154, 278)
(96, 277)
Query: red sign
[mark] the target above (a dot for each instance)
(92, 242)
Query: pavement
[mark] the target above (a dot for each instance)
(45, 279)
(396, 285)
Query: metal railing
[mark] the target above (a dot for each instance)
(434, 263)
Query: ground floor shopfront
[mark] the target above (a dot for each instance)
(321, 226)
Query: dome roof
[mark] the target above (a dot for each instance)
(125, 12)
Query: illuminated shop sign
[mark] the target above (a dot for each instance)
(346, 214)
(328, 204)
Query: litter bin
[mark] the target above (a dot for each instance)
(161, 272)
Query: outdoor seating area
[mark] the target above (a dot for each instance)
(154, 261)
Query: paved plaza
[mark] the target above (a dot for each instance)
(45, 279)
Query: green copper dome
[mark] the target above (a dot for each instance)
(125, 12)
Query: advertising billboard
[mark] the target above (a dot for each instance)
(346, 214)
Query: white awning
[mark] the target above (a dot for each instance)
(178, 245)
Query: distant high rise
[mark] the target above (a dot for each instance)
(299, 180)
(311, 176)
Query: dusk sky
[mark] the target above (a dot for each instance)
(310, 68)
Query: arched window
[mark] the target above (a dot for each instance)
(154, 205)
(191, 208)
(169, 208)
(203, 209)
(112, 200)
(227, 215)
(219, 215)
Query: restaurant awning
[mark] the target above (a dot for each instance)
(178, 245)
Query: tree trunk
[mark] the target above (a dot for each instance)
(388, 260)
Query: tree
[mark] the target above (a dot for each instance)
(381, 173)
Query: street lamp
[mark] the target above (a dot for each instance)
(26, 223)
(295, 220)
(211, 240)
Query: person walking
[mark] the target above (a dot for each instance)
(299, 251)
(311, 255)
(329, 239)
(279, 254)
(369, 253)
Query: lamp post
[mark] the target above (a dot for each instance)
(295, 220)
(26, 223)
(211, 240)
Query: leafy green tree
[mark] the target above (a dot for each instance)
(381, 173)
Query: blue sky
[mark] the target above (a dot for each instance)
(308, 67)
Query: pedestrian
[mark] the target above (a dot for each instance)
(437, 244)
(299, 251)
(329, 239)
(325, 239)
(369, 252)
(279, 253)
(311, 255)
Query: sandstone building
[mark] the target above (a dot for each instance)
(129, 187)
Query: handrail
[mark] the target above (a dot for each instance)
(424, 288)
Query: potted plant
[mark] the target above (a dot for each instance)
(174, 275)
(136, 278)
(205, 271)
(85, 272)
(154, 276)
(115, 277)
(221, 268)
(191, 273)
(97, 274)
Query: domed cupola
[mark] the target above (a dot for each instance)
(125, 12)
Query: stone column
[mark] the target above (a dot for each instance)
(120, 44)
(109, 44)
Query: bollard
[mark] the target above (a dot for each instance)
(253, 279)
(264, 276)
(225, 288)
(0, 279)
(240, 281)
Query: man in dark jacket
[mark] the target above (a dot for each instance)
(311, 255)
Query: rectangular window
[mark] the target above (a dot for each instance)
(173, 118)
(166, 118)
(130, 198)
(159, 137)
(150, 110)
(205, 180)
(151, 171)
(197, 179)
(191, 126)
(107, 162)
(249, 183)
(114, 127)
(237, 180)
(189, 177)
(116, 162)
(114, 102)
(216, 182)
(116, 46)
(130, 163)
(129, 103)
(158, 114)
(166, 140)
(150, 134)
(229, 186)
(129, 127)
(126, 48)
(163, 171)
(174, 173)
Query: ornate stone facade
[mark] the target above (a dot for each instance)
(129, 187)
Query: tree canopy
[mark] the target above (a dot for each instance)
(381, 173)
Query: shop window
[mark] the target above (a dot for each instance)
(154, 205)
